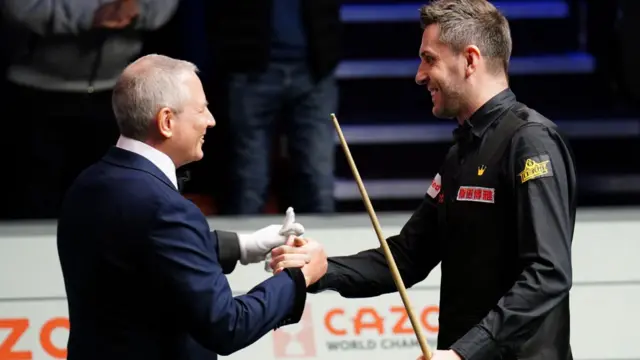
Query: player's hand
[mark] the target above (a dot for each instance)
(442, 355)
(307, 254)
(256, 246)
(293, 254)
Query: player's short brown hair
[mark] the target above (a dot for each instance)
(471, 22)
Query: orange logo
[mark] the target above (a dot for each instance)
(395, 321)
(19, 326)
(351, 328)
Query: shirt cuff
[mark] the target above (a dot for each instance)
(325, 282)
(228, 250)
(475, 345)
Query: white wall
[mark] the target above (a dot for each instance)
(604, 315)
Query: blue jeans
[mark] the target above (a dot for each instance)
(256, 104)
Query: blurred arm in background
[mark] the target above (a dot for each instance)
(154, 13)
(149, 15)
(47, 17)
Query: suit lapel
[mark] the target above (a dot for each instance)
(128, 159)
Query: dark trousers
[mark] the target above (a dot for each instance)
(612, 29)
(49, 138)
(284, 97)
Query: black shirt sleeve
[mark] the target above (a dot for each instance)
(543, 179)
(228, 250)
(366, 274)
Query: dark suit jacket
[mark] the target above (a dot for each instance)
(142, 274)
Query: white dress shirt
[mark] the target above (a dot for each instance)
(157, 157)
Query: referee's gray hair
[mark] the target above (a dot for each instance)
(145, 86)
(471, 22)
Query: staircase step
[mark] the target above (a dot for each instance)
(402, 40)
(441, 132)
(405, 195)
(557, 96)
(397, 189)
(568, 63)
(388, 11)
(594, 155)
(601, 201)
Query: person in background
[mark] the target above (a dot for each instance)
(279, 57)
(63, 61)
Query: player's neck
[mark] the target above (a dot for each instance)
(485, 93)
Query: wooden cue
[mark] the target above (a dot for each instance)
(383, 242)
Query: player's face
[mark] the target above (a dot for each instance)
(442, 72)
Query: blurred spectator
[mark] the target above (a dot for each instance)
(628, 30)
(603, 43)
(280, 57)
(63, 60)
(612, 29)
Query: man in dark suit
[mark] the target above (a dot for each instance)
(144, 275)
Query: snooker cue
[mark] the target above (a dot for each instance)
(383, 242)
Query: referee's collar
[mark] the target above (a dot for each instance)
(161, 160)
(488, 113)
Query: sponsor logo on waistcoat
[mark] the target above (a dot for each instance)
(436, 186)
(477, 194)
(536, 167)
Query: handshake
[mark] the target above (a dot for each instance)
(283, 247)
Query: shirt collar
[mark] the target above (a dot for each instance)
(480, 121)
(157, 157)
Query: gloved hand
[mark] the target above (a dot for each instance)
(255, 247)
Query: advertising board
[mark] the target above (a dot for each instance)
(34, 319)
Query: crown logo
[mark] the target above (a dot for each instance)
(481, 170)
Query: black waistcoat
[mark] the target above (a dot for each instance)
(479, 249)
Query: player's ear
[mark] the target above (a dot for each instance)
(472, 57)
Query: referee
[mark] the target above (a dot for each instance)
(499, 215)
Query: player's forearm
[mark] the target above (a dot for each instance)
(365, 274)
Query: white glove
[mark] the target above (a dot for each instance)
(256, 246)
